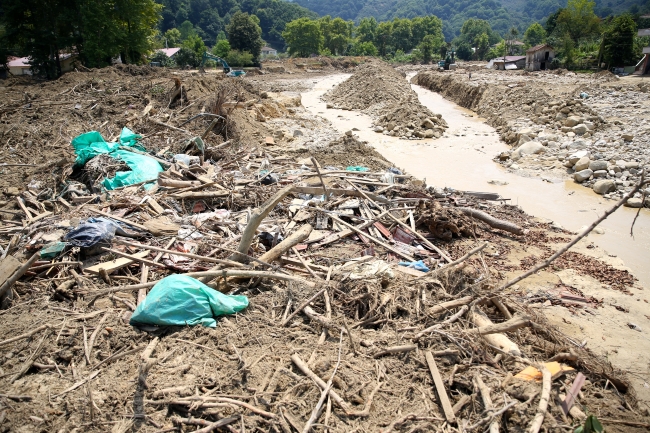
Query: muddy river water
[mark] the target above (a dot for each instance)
(462, 159)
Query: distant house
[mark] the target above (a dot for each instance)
(21, 66)
(268, 51)
(643, 67)
(169, 52)
(508, 63)
(539, 57)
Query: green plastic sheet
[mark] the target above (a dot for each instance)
(179, 300)
(143, 167)
(357, 168)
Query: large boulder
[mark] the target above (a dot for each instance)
(604, 186)
(598, 165)
(582, 164)
(582, 175)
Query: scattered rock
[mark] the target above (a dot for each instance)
(634, 202)
(580, 129)
(604, 186)
(627, 137)
(582, 164)
(582, 175)
(598, 165)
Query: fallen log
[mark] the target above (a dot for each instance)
(289, 242)
(517, 322)
(492, 221)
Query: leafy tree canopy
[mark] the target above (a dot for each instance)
(534, 35)
(245, 34)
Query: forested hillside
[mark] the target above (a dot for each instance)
(501, 14)
(210, 17)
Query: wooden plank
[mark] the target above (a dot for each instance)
(410, 272)
(337, 192)
(153, 204)
(440, 388)
(572, 394)
(115, 264)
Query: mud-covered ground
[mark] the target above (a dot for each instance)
(248, 356)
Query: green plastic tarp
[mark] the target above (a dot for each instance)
(179, 300)
(143, 167)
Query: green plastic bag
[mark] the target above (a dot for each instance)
(357, 168)
(181, 300)
(143, 167)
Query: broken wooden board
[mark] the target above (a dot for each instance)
(116, 264)
(410, 272)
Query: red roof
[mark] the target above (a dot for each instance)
(537, 48)
(169, 51)
(18, 62)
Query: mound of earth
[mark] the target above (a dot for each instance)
(383, 93)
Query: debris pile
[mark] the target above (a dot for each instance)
(584, 128)
(256, 291)
(380, 91)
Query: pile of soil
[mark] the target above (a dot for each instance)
(344, 152)
(382, 92)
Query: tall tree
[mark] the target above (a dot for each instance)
(304, 37)
(534, 35)
(402, 35)
(367, 30)
(245, 34)
(383, 38)
(618, 43)
(578, 20)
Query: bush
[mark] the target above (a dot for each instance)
(239, 58)
(187, 57)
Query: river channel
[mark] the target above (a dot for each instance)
(462, 159)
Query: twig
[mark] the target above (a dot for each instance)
(440, 387)
(302, 306)
(543, 401)
(395, 349)
(317, 409)
(322, 182)
(28, 364)
(26, 335)
(304, 263)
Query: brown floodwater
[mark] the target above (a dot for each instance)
(463, 160)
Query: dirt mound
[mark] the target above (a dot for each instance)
(605, 76)
(382, 92)
(345, 152)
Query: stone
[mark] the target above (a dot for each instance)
(632, 164)
(600, 173)
(604, 186)
(598, 165)
(378, 129)
(582, 175)
(348, 133)
(634, 202)
(590, 125)
(580, 129)
(390, 126)
(297, 133)
(582, 164)
(524, 138)
(572, 121)
(329, 105)
(429, 133)
(627, 137)
(428, 124)
(529, 148)
(578, 144)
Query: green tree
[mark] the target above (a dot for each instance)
(618, 44)
(245, 34)
(303, 36)
(430, 44)
(511, 36)
(337, 33)
(363, 49)
(578, 20)
(567, 51)
(482, 44)
(473, 28)
(402, 35)
(221, 36)
(383, 38)
(367, 30)
(196, 44)
(239, 58)
(186, 57)
(173, 37)
(186, 30)
(534, 35)
(496, 51)
(464, 51)
(221, 49)
(425, 26)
